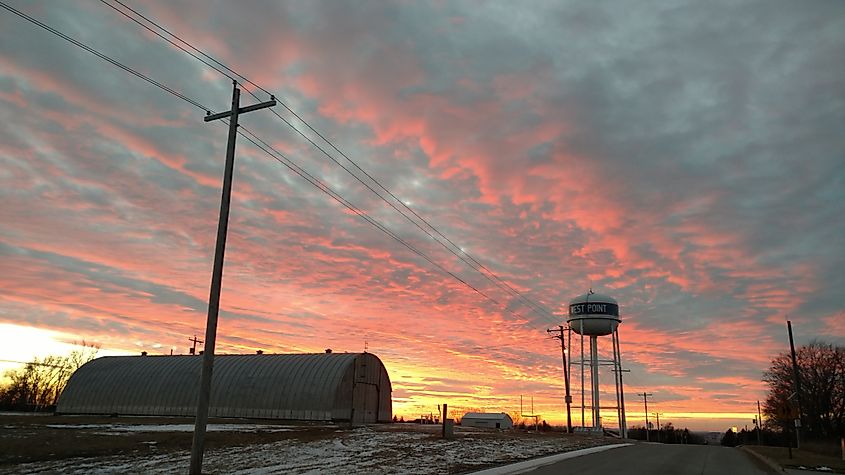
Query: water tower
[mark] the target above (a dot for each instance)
(596, 315)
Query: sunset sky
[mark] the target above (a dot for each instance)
(686, 158)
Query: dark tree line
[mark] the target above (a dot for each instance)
(821, 369)
(41, 381)
(667, 434)
(755, 436)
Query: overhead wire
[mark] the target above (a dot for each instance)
(273, 152)
(417, 225)
(189, 45)
(261, 144)
(164, 38)
(389, 203)
(471, 261)
(103, 56)
(34, 363)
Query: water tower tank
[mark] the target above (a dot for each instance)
(596, 314)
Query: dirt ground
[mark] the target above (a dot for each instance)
(66, 444)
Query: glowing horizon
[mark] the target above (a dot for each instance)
(17, 340)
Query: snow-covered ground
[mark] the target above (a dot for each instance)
(129, 428)
(382, 449)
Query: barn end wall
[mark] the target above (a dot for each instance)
(364, 396)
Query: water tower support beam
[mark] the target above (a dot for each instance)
(620, 388)
(616, 370)
(594, 379)
(582, 372)
(569, 363)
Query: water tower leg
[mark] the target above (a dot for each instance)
(594, 383)
(617, 369)
(569, 377)
(582, 373)
(623, 422)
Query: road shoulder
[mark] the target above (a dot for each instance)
(527, 465)
(763, 459)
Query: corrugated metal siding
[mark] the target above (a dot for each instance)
(299, 387)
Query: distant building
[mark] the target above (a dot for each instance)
(489, 420)
(316, 387)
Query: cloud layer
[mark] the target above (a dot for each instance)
(685, 157)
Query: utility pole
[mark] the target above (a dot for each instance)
(645, 396)
(445, 413)
(797, 379)
(759, 424)
(657, 415)
(195, 341)
(568, 396)
(201, 421)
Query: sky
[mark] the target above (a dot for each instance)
(686, 158)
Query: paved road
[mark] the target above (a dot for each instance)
(647, 459)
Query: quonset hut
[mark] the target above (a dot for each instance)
(494, 420)
(314, 387)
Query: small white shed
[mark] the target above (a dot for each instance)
(487, 420)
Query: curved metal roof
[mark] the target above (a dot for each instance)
(593, 298)
(299, 386)
(486, 415)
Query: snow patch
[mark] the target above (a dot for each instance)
(366, 450)
(174, 427)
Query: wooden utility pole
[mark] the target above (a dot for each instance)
(568, 396)
(657, 415)
(201, 421)
(194, 340)
(797, 377)
(645, 396)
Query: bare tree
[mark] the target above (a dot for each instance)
(41, 381)
(457, 413)
(821, 368)
(516, 417)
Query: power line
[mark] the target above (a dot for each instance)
(382, 198)
(281, 158)
(103, 56)
(408, 218)
(189, 45)
(34, 363)
(454, 249)
(130, 17)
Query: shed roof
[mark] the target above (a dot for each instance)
(486, 415)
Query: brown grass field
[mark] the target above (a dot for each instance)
(28, 438)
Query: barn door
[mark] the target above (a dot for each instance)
(365, 403)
